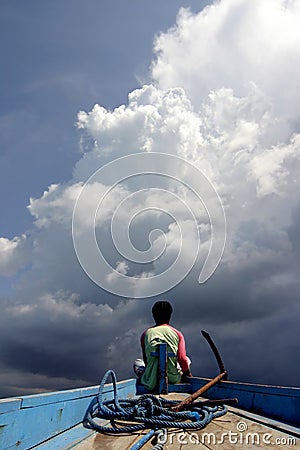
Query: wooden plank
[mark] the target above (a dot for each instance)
(86, 444)
(277, 406)
(27, 427)
(249, 432)
(115, 442)
(67, 440)
(182, 387)
(273, 401)
(30, 401)
(162, 354)
(177, 440)
(275, 424)
(293, 392)
(223, 432)
(10, 404)
(30, 426)
(162, 369)
(108, 442)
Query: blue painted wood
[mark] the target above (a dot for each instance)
(66, 440)
(162, 369)
(30, 401)
(30, 425)
(38, 419)
(162, 377)
(10, 404)
(280, 403)
(280, 426)
(182, 387)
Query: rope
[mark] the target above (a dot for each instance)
(144, 412)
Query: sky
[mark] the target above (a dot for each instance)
(82, 84)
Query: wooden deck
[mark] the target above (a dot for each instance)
(232, 431)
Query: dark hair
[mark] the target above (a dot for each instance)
(162, 311)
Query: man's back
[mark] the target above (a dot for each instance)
(150, 339)
(161, 333)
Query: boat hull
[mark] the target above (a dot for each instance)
(276, 402)
(54, 420)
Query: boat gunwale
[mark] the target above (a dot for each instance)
(288, 391)
(50, 404)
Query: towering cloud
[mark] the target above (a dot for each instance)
(224, 95)
(231, 44)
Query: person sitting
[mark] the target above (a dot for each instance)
(178, 368)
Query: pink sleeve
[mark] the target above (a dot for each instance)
(143, 347)
(181, 352)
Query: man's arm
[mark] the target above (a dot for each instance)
(143, 347)
(182, 358)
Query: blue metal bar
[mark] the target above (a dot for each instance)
(162, 354)
(138, 445)
(162, 371)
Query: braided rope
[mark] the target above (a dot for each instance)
(144, 412)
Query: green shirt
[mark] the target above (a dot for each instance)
(151, 338)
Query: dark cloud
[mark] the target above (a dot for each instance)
(59, 329)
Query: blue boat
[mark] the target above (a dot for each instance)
(265, 416)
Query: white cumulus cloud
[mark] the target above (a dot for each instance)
(14, 254)
(225, 96)
(232, 43)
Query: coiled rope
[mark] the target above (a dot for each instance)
(144, 412)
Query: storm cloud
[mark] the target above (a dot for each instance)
(223, 93)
